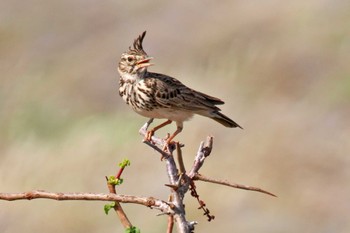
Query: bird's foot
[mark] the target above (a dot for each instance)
(148, 136)
(169, 145)
(168, 148)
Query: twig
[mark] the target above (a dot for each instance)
(117, 207)
(201, 203)
(180, 159)
(40, 194)
(170, 219)
(233, 185)
(119, 210)
(156, 143)
(204, 151)
(170, 224)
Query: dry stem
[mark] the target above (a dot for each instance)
(40, 194)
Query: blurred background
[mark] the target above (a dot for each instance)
(282, 69)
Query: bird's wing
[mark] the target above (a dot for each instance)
(172, 93)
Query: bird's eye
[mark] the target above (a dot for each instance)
(130, 59)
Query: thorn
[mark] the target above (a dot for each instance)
(174, 187)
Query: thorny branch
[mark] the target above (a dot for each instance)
(180, 182)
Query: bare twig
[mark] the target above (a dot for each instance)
(204, 151)
(180, 159)
(40, 194)
(170, 224)
(233, 185)
(170, 219)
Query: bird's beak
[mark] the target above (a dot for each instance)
(144, 63)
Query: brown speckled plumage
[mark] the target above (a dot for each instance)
(159, 96)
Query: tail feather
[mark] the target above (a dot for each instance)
(224, 120)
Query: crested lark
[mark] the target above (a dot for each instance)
(159, 96)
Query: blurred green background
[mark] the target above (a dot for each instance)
(281, 67)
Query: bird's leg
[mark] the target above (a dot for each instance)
(144, 128)
(151, 132)
(149, 122)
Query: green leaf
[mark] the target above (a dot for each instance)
(125, 163)
(108, 207)
(119, 181)
(132, 230)
(115, 181)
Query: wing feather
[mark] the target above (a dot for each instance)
(170, 92)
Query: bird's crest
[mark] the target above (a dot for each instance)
(138, 44)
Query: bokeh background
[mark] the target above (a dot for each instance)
(282, 68)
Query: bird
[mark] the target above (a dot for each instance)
(159, 96)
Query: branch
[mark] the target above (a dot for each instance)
(178, 190)
(204, 151)
(180, 183)
(40, 194)
(227, 183)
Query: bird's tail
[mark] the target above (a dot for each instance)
(224, 120)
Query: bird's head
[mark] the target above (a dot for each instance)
(135, 61)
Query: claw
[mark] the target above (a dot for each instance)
(165, 147)
(149, 135)
(169, 145)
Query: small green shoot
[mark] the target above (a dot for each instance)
(114, 181)
(125, 163)
(108, 207)
(132, 230)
